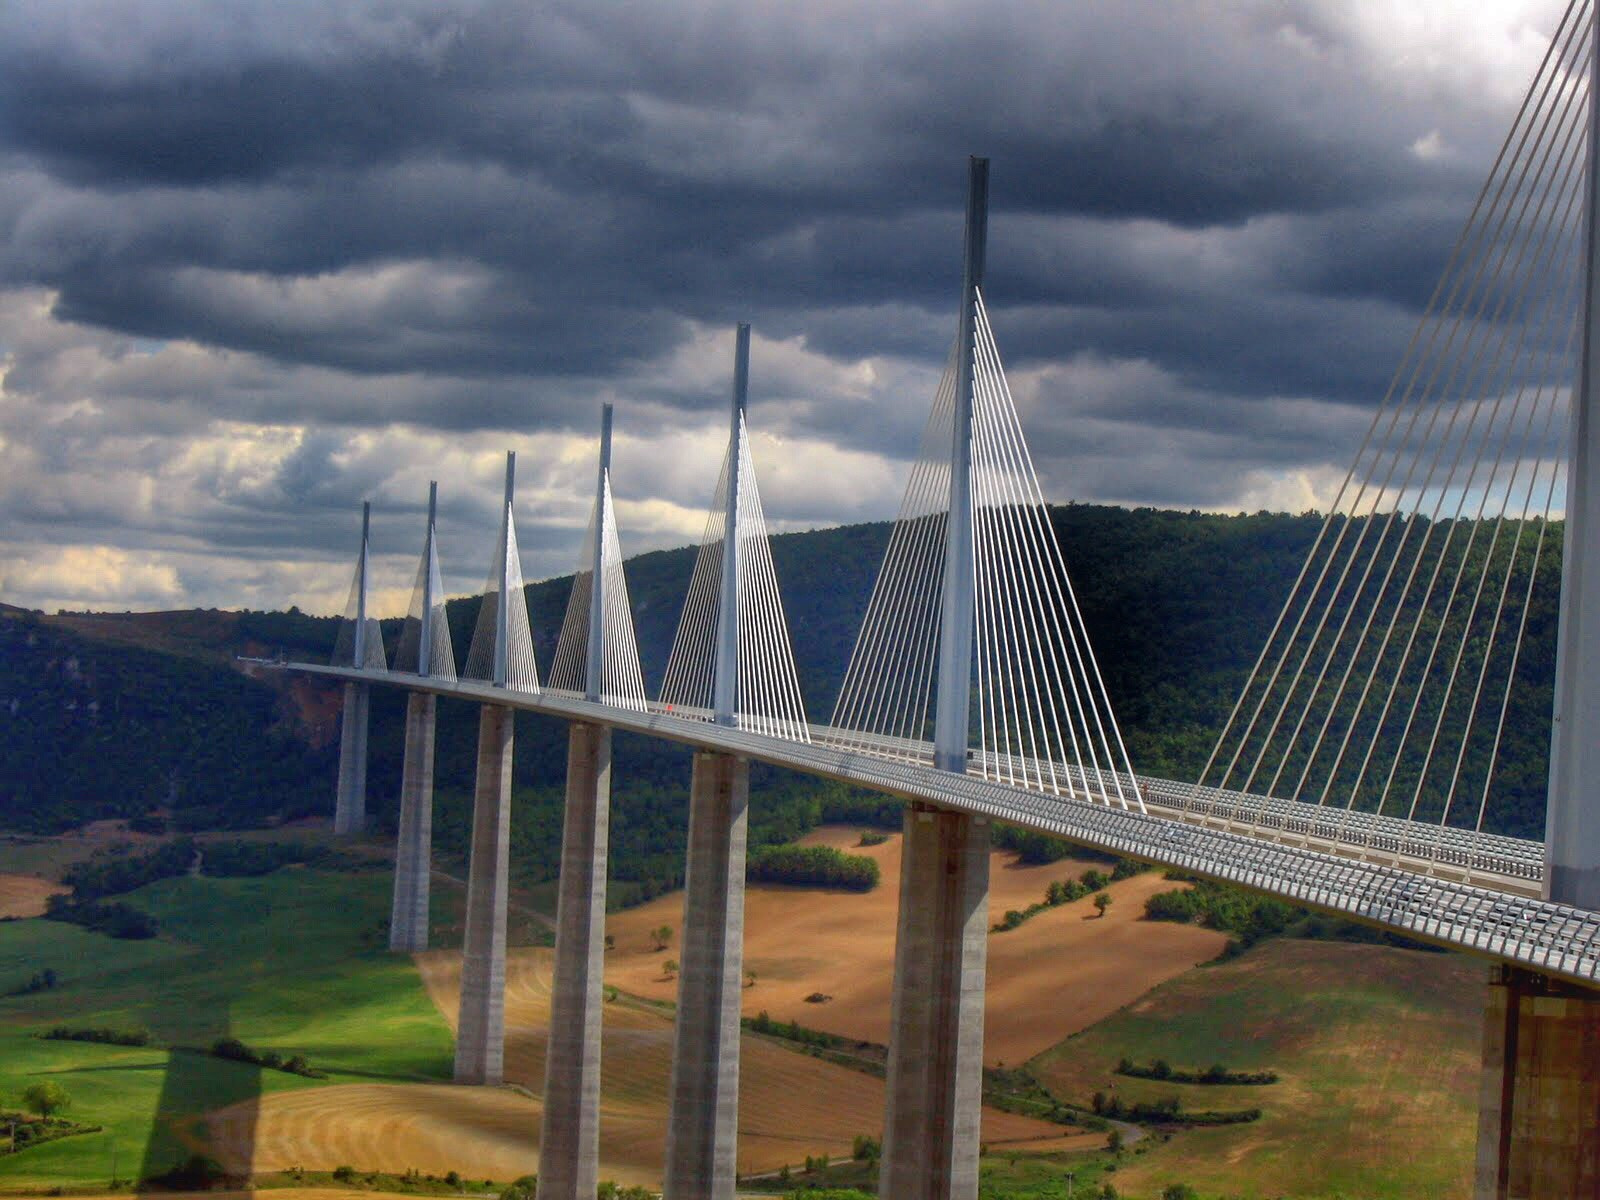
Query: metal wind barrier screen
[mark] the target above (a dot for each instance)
(1409, 673)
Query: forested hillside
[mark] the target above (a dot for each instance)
(1177, 604)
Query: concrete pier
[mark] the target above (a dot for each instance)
(703, 1129)
(569, 1147)
(481, 1029)
(1539, 1109)
(413, 855)
(935, 1070)
(350, 808)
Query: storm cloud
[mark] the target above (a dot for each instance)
(259, 260)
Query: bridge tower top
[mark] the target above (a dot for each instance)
(425, 646)
(594, 674)
(360, 642)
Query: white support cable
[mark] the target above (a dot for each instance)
(1467, 624)
(888, 682)
(1455, 412)
(1061, 581)
(1018, 562)
(1037, 556)
(1339, 692)
(1471, 236)
(1405, 656)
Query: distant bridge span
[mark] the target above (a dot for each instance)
(1500, 917)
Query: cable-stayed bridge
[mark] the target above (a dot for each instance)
(1362, 771)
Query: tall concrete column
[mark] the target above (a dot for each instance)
(481, 1029)
(413, 855)
(350, 806)
(1539, 1108)
(935, 1078)
(569, 1148)
(703, 1129)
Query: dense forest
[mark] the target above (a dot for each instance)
(1177, 604)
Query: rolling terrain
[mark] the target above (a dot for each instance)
(1052, 976)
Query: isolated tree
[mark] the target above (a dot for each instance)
(749, 979)
(662, 936)
(1114, 1141)
(611, 941)
(670, 967)
(1102, 901)
(46, 1098)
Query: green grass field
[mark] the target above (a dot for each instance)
(1378, 1053)
(293, 962)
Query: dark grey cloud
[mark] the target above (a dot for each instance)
(462, 220)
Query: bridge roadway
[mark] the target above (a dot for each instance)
(1209, 833)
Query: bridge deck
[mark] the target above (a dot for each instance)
(1326, 866)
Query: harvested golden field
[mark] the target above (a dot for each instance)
(1058, 973)
(790, 1105)
(25, 895)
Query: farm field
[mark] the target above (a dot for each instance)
(234, 959)
(1377, 1050)
(1056, 974)
(25, 895)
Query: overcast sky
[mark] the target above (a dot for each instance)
(259, 261)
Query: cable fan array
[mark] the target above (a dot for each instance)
(427, 604)
(358, 628)
(1401, 660)
(1043, 718)
(768, 691)
(621, 682)
(505, 584)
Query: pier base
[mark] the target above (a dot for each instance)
(935, 1075)
(481, 1029)
(703, 1129)
(569, 1147)
(1539, 1110)
(350, 807)
(413, 853)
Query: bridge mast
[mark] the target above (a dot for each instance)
(725, 685)
(935, 1068)
(953, 702)
(1572, 818)
(350, 803)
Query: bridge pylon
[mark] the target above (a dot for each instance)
(359, 644)
(501, 653)
(426, 651)
(935, 1069)
(732, 617)
(596, 655)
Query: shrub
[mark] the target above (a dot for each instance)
(813, 866)
(46, 1098)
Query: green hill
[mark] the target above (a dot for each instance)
(116, 714)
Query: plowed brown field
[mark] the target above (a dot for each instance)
(25, 895)
(1053, 976)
